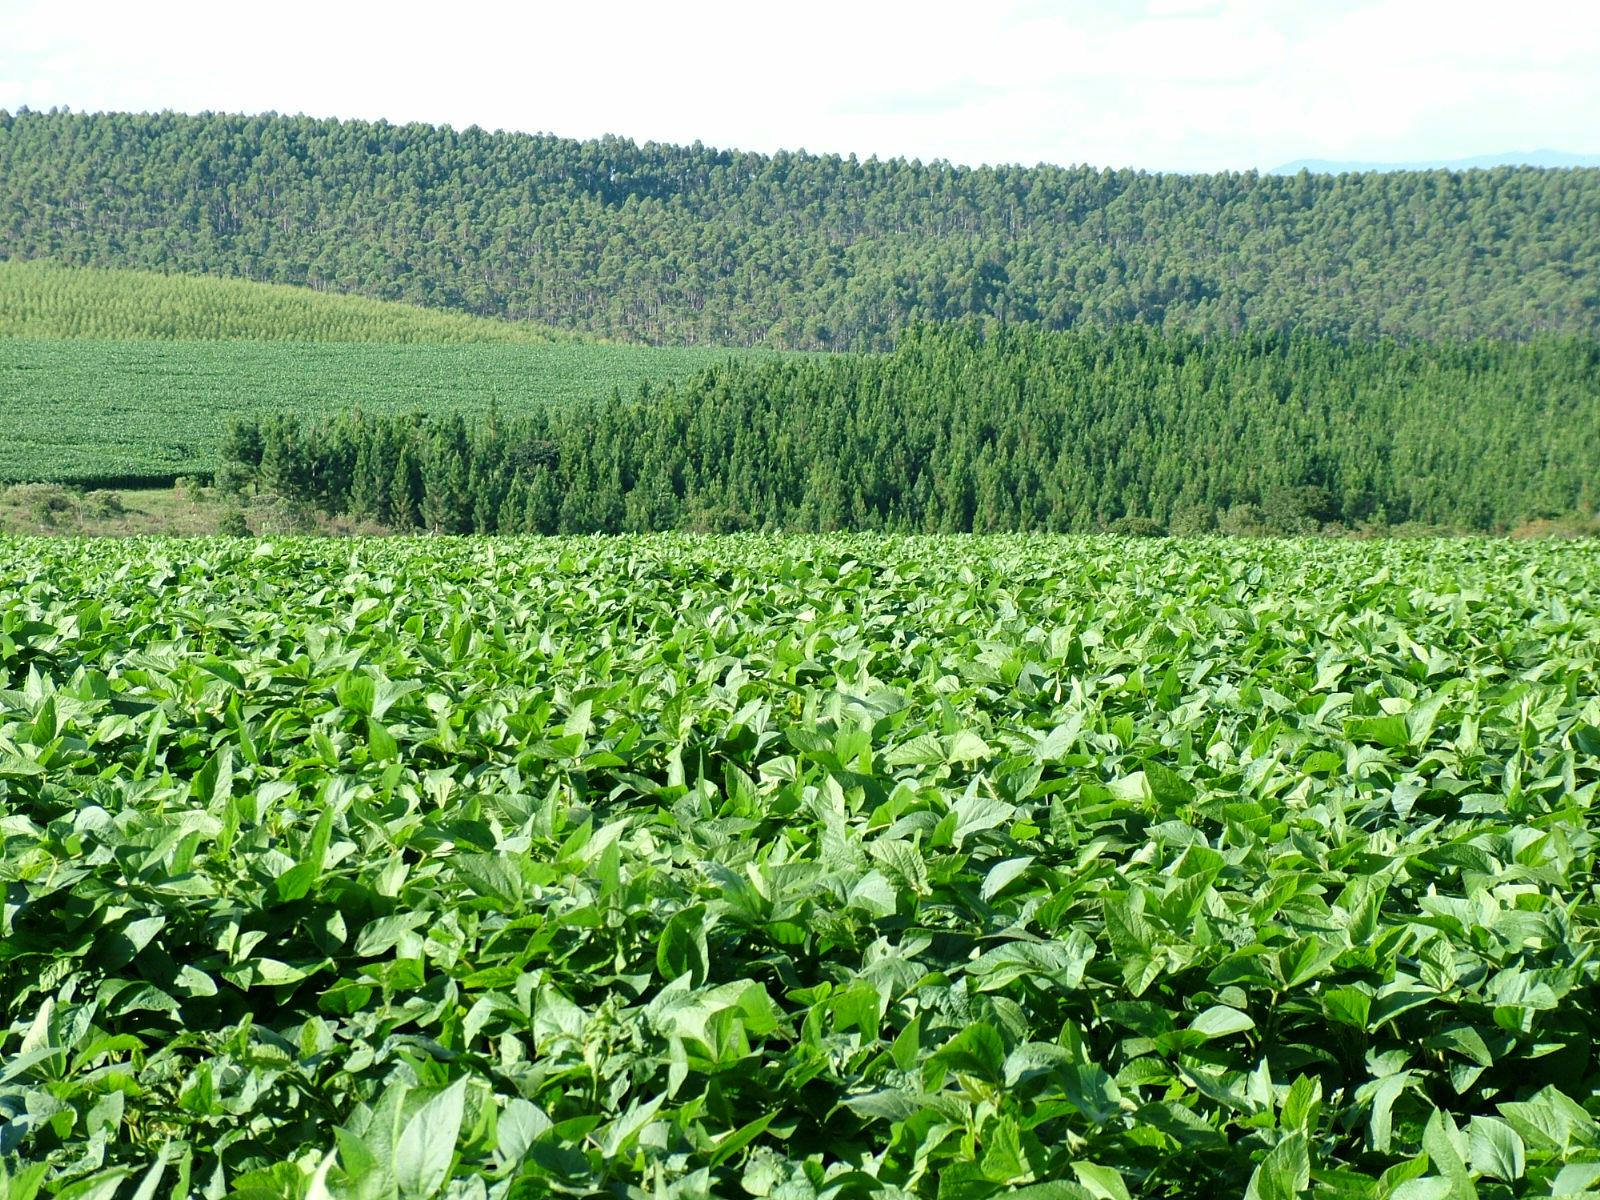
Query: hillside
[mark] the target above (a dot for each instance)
(142, 412)
(690, 245)
(1028, 430)
(46, 300)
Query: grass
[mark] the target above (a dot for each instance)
(51, 510)
(121, 412)
(839, 867)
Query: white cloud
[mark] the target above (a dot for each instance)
(1171, 84)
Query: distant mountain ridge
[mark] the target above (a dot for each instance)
(1511, 158)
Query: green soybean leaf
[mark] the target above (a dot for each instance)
(426, 1145)
(682, 948)
(1495, 1149)
(1285, 1172)
(1221, 1021)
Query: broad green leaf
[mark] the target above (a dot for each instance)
(1003, 873)
(1392, 732)
(101, 1186)
(682, 948)
(976, 1050)
(519, 1124)
(1104, 1183)
(382, 935)
(1495, 1149)
(1285, 1173)
(426, 1146)
(1220, 1021)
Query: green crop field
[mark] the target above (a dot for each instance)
(799, 868)
(43, 299)
(83, 410)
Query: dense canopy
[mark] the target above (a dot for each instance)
(852, 868)
(1024, 430)
(686, 244)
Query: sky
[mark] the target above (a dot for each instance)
(1162, 85)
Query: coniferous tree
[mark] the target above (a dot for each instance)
(405, 490)
(957, 432)
(687, 244)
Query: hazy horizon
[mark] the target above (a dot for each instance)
(1166, 85)
(1543, 157)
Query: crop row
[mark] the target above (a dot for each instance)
(44, 299)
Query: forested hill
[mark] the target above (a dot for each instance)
(1021, 430)
(693, 245)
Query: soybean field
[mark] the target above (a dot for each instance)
(88, 411)
(820, 867)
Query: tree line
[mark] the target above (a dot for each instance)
(964, 428)
(692, 245)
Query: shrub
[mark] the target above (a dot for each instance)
(44, 502)
(719, 520)
(1137, 527)
(1191, 520)
(102, 503)
(1559, 527)
(233, 479)
(1243, 520)
(280, 514)
(233, 524)
(1302, 508)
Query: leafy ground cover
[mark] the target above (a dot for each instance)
(800, 868)
(124, 412)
